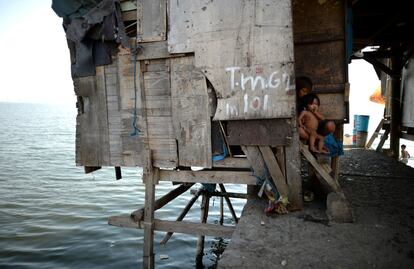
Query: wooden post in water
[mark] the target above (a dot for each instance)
(150, 177)
(200, 242)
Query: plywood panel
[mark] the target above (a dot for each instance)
(319, 37)
(152, 20)
(332, 106)
(92, 141)
(276, 132)
(158, 108)
(191, 115)
(244, 49)
(132, 148)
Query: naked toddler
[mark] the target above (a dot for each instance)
(308, 124)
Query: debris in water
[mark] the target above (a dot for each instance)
(164, 257)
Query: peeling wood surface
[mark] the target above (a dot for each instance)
(190, 113)
(92, 140)
(235, 45)
(157, 94)
(152, 20)
(275, 132)
(239, 177)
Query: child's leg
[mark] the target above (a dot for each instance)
(321, 148)
(303, 134)
(312, 140)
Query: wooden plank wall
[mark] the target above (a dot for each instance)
(319, 37)
(151, 20)
(245, 50)
(191, 113)
(157, 93)
(92, 141)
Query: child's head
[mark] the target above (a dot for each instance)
(304, 86)
(311, 102)
(403, 146)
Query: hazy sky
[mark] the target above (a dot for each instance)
(34, 58)
(35, 64)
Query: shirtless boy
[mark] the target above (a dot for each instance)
(308, 123)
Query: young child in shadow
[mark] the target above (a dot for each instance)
(309, 120)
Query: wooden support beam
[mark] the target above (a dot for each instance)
(239, 177)
(333, 184)
(229, 205)
(227, 194)
(258, 166)
(375, 134)
(162, 201)
(384, 138)
(183, 214)
(274, 170)
(239, 163)
(293, 177)
(396, 116)
(175, 226)
(200, 241)
(221, 221)
(148, 223)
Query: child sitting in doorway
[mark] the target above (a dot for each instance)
(308, 123)
(304, 86)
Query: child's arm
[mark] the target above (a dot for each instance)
(318, 115)
(300, 118)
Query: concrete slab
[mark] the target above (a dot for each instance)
(380, 191)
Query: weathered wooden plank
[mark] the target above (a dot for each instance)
(138, 214)
(275, 132)
(150, 178)
(293, 176)
(274, 170)
(152, 20)
(240, 177)
(203, 219)
(237, 53)
(229, 162)
(191, 117)
(175, 226)
(324, 174)
(92, 142)
(333, 106)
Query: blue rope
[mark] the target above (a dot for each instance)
(136, 130)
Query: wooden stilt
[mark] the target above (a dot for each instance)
(230, 206)
(200, 242)
(221, 210)
(280, 156)
(183, 214)
(274, 170)
(384, 138)
(139, 213)
(339, 134)
(375, 134)
(149, 218)
(293, 177)
(258, 165)
(396, 105)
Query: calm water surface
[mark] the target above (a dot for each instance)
(55, 216)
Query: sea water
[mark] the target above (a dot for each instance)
(55, 216)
